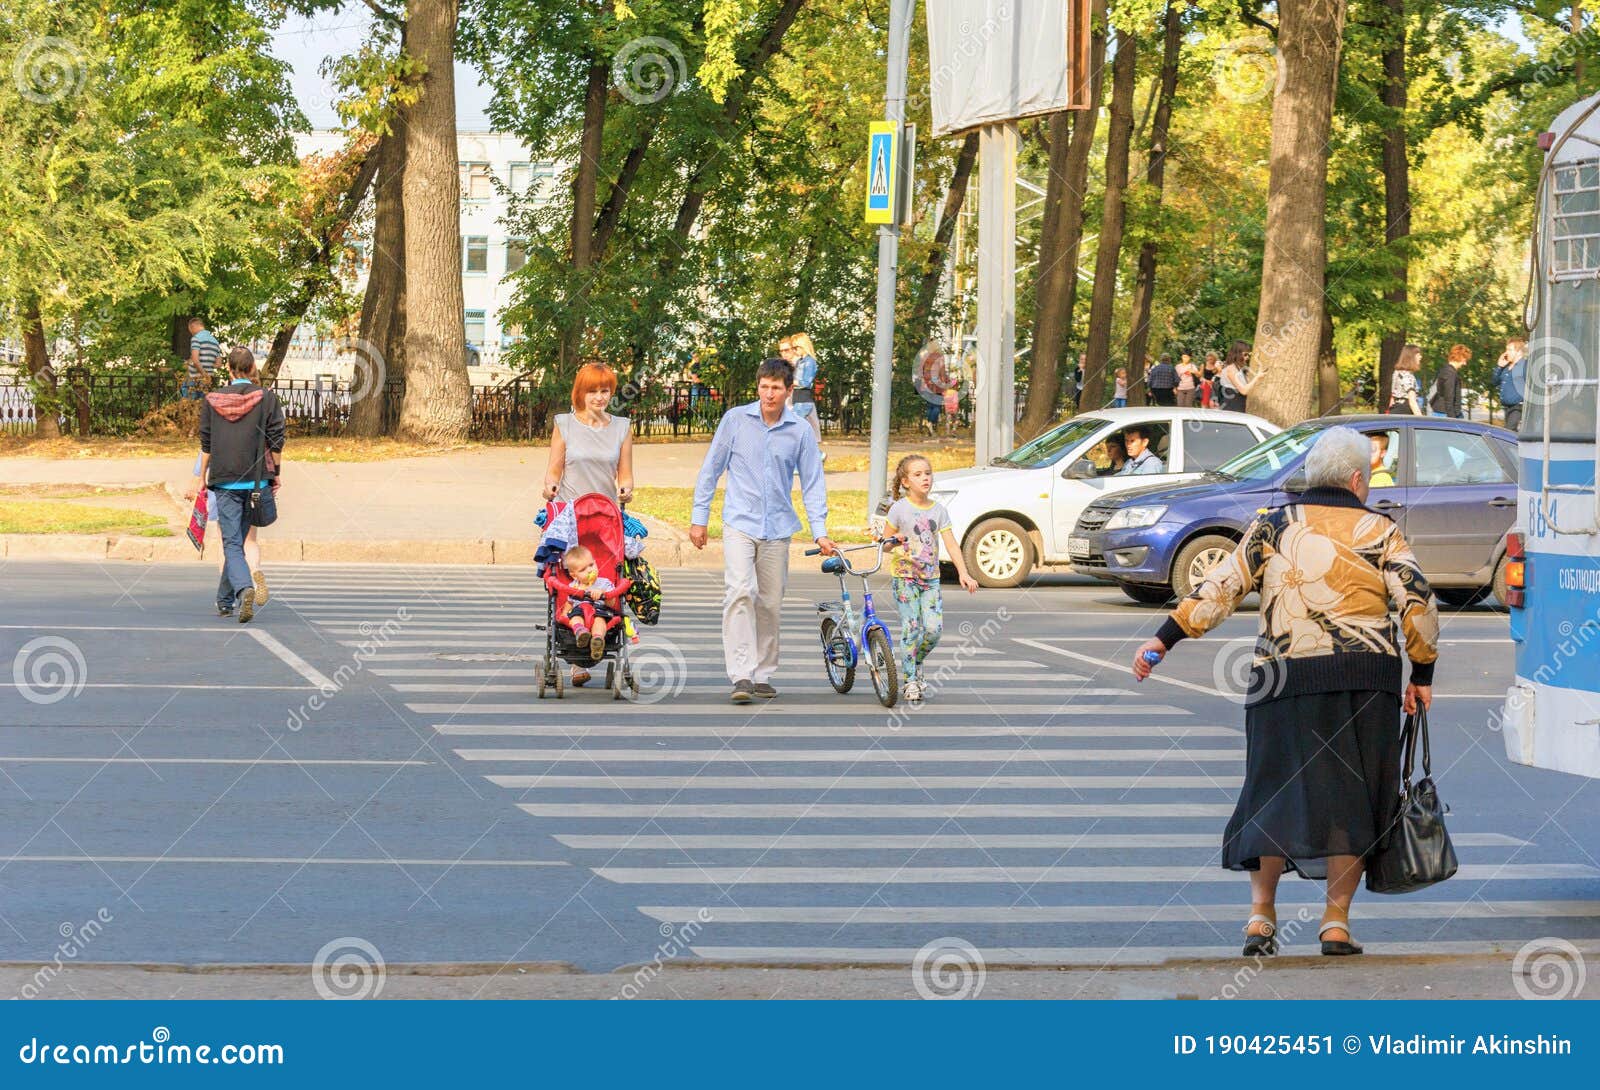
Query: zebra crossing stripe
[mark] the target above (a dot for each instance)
(1017, 875)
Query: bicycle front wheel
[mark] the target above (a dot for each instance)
(836, 657)
(880, 660)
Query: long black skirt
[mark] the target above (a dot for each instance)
(1321, 778)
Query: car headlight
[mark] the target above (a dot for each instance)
(1131, 518)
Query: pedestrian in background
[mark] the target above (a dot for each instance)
(1188, 381)
(1119, 399)
(1445, 399)
(923, 523)
(1404, 387)
(802, 356)
(1322, 712)
(202, 362)
(1510, 380)
(761, 446)
(1235, 382)
(1162, 382)
(241, 447)
(1208, 377)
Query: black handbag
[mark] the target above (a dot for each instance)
(261, 508)
(1418, 852)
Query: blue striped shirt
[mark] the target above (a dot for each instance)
(206, 346)
(761, 463)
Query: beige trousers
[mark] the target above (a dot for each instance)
(756, 571)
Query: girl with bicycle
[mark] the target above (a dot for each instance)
(922, 523)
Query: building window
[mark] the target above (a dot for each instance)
(532, 179)
(477, 254)
(477, 328)
(477, 182)
(516, 254)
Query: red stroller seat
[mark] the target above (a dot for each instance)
(599, 529)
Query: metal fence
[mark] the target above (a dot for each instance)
(521, 408)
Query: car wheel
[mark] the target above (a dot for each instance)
(1145, 593)
(1461, 597)
(1196, 559)
(1498, 585)
(998, 552)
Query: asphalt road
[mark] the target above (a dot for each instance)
(176, 788)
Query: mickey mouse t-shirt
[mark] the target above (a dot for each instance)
(921, 526)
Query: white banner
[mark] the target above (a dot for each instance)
(996, 60)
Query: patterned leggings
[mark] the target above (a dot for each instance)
(921, 621)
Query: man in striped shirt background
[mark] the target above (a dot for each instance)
(203, 353)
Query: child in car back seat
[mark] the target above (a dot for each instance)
(587, 609)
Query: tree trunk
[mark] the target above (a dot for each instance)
(1289, 322)
(1396, 192)
(383, 313)
(438, 399)
(939, 253)
(1108, 253)
(36, 353)
(1144, 288)
(584, 187)
(1328, 395)
(1061, 234)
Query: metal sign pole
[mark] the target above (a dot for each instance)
(995, 391)
(900, 12)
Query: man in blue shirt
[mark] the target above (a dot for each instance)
(761, 446)
(1141, 459)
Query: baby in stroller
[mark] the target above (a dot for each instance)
(581, 558)
(587, 609)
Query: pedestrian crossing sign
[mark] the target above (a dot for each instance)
(882, 166)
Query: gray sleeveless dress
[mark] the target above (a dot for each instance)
(592, 456)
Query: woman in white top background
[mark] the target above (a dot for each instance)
(1404, 387)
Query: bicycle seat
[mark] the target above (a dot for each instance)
(833, 565)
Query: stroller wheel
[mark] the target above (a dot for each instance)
(611, 673)
(560, 683)
(543, 680)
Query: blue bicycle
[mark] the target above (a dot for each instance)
(847, 640)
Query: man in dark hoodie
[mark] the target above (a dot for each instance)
(241, 440)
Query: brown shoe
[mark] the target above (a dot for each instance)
(261, 587)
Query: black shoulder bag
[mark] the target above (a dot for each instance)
(1419, 852)
(256, 513)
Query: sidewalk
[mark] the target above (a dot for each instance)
(473, 506)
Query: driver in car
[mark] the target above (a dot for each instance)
(1141, 459)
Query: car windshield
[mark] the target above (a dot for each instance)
(1268, 457)
(1048, 448)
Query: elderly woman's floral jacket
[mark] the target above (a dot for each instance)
(1328, 570)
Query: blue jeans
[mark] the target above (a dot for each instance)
(1119, 403)
(230, 509)
(189, 390)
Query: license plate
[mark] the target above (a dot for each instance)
(1077, 547)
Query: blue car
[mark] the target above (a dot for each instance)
(1450, 484)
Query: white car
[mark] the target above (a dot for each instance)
(1020, 511)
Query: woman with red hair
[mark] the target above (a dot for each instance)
(591, 449)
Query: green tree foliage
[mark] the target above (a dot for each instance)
(146, 165)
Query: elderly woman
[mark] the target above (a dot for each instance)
(591, 450)
(1322, 714)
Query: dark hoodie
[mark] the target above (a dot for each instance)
(231, 423)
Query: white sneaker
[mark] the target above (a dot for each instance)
(914, 692)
